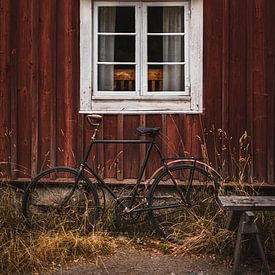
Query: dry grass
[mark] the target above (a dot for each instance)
(22, 250)
(203, 227)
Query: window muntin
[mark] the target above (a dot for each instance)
(130, 43)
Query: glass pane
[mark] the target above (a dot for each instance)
(165, 19)
(116, 77)
(166, 48)
(116, 19)
(113, 48)
(166, 78)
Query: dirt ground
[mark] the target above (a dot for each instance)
(135, 261)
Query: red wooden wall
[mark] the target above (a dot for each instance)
(39, 93)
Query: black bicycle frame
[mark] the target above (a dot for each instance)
(152, 144)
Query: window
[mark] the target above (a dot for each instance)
(141, 57)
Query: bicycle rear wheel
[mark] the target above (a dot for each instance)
(55, 201)
(176, 211)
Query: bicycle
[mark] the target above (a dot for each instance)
(71, 194)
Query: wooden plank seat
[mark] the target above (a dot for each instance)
(248, 203)
(240, 208)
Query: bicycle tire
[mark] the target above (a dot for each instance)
(173, 222)
(54, 201)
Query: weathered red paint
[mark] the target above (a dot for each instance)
(39, 92)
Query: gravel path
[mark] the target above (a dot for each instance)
(133, 261)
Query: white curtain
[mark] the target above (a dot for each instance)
(172, 49)
(106, 49)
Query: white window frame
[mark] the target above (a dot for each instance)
(189, 101)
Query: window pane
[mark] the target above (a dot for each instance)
(165, 19)
(116, 19)
(166, 78)
(116, 48)
(166, 48)
(116, 77)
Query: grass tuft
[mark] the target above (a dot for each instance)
(22, 250)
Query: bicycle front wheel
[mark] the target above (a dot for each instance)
(182, 199)
(55, 201)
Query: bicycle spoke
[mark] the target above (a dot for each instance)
(170, 214)
(65, 205)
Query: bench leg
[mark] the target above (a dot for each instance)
(247, 225)
(234, 220)
(237, 251)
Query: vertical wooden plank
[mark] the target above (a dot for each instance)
(24, 88)
(237, 102)
(187, 135)
(53, 128)
(225, 69)
(173, 136)
(5, 91)
(270, 88)
(81, 117)
(225, 82)
(259, 94)
(181, 132)
(75, 82)
(142, 150)
(120, 148)
(34, 85)
(53, 98)
(212, 83)
(164, 134)
(269, 42)
(13, 109)
(61, 53)
(237, 71)
(154, 161)
(47, 84)
(274, 108)
(131, 159)
(192, 132)
(110, 150)
(93, 158)
(249, 80)
(80, 138)
(100, 151)
(67, 97)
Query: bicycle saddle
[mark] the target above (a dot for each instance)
(151, 131)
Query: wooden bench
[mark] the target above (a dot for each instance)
(241, 210)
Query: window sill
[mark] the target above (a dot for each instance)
(151, 97)
(142, 105)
